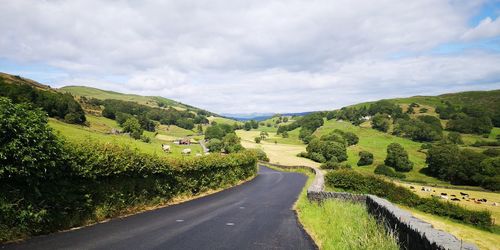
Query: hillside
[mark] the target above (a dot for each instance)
(153, 101)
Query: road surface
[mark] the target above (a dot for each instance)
(255, 215)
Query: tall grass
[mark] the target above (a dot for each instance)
(344, 225)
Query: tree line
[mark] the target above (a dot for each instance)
(58, 105)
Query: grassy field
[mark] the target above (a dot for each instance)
(483, 239)
(376, 142)
(223, 120)
(100, 126)
(490, 196)
(285, 154)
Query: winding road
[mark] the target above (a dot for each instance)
(255, 215)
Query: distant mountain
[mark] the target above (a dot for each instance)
(260, 116)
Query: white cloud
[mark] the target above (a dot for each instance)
(245, 56)
(487, 28)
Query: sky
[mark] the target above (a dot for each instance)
(256, 56)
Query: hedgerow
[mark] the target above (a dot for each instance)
(369, 184)
(100, 181)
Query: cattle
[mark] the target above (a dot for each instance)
(444, 197)
(412, 187)
(198, 154)
(482, 200)
(425, 189)
(444, 194)
(494, 204)
(464, 194)
(186, 151)
(455, 199)
(453, 195)
(166, 148)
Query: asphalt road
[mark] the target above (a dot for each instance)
(255, 215)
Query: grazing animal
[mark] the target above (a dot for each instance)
(444, 194)
(455, 199)
(483, 200)
(186, 151)
(473, 199)
(166, 148)
(495, 204)
(453, 195)
(412, 187)
(426, 189)
(477, 202)
(464, 194)
(198, 154)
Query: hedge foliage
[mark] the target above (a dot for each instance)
(369, 184)
(48, 184)
(108, 179)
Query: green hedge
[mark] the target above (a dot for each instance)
(99, 181)
(369, 184)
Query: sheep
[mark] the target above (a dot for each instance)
(186, 151)
(166, 148)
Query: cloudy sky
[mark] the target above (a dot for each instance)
(256, 56)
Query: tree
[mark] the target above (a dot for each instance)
(410, 110)
(247, 126)
(397, 157)
(455, 138)
(441, 158)
(214, 132)
(365, 158)
(284, 134)
(231, 143)
(381, 122)
(285, 119)
(132, 126)
(257, 139)
(214, 145)
(263, 134)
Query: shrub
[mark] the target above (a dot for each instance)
(317, 157)
(388, 171)
(381, 122)
(397, 158)
(333, 164)
(369, 184)
(455, 138)
(483, 143)
(492, 152)
(257, 139)
(214, 145)
(112, 179)
(259, 153)
(365, 158)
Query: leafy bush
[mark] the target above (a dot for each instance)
(365, 158)
(259, 153)
(388, 171)
(333, 164)
(492, 152)
(483, 143)
(397, 157)
(381, 122)
(257, 139)
(214, 145)
(326, 149)
(317, 157)
(369, 184)
(455, 138)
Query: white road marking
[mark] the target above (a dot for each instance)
(229, 224)
(242, 207)
(179, 220)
